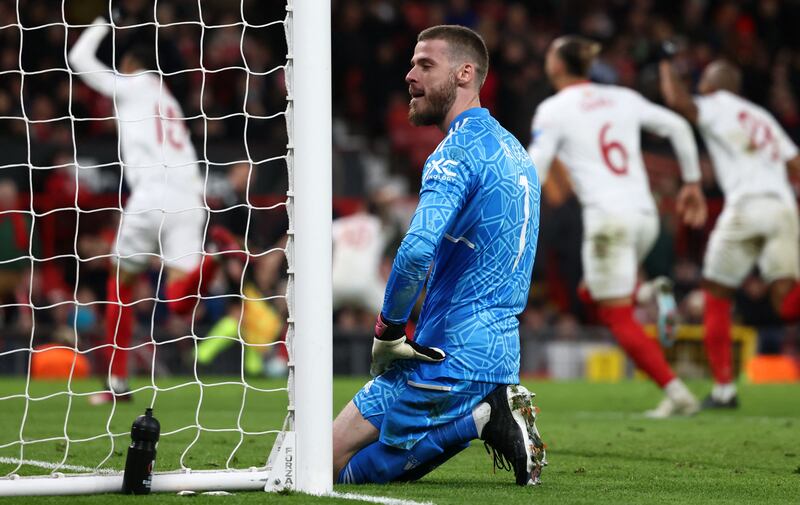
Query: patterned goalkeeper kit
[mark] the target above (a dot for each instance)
(473, 236)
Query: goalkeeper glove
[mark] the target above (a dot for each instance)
(390, 344)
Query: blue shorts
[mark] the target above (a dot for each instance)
(405, 407)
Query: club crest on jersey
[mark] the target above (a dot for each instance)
(437, 170)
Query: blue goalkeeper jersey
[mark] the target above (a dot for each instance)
(474, 236)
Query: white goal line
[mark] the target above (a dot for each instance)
(55, 466)
(385, 500)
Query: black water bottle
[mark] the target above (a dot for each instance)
(141, 459)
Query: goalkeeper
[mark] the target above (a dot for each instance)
(164, 216)
(475, 229)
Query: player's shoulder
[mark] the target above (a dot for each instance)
(722, 100)
(622, 93)
(148, 86)
(470, 140)
(496, 142)
(556, 104)
(712, 108)
(143, 82)
(462, 134)
(546, 112)
(550, 103)
(452, 145)
(744, 104)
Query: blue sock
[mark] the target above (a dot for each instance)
(431, 465)
(379, 463)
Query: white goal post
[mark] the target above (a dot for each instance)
(301, 458)
(313, 346)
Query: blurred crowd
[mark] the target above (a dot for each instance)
(370, 105)
(71, 142)
(205, 67)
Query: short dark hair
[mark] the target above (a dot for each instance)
(577, 53)
(726, 75)
(143, 54)
(463, 42)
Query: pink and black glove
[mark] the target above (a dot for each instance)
(390, 344)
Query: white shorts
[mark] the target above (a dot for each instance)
(613, 247)
(147, 232)
(365, 295)
(760, 230)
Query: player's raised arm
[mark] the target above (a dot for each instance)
(665, 123)
(690, 204)
(83, 59)
(676, 96)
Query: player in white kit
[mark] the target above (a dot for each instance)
(358, 246)
(759, 223)
(360, 241)
(594, 131)
(164, 215)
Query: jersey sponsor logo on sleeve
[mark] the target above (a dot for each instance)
(438, 170)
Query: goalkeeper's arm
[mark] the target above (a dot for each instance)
(439, 204)
(403, 288)
(83, 59)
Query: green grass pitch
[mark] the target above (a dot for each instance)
(601, 450)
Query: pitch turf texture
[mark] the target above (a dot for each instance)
(600, 448)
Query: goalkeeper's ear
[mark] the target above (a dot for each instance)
(467, 74)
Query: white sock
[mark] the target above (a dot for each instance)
(723, 392)
(118, 384)
(481, 414)
(676, 390)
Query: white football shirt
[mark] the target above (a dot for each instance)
(157, 153)
(358, 245)
(748, 147)
(594, 130)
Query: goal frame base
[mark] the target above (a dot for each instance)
(278, 476)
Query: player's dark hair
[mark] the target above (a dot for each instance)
(726, 75)
(143, 54)
(463, 43)
(577, 53)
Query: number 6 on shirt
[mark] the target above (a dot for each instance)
(608, 147)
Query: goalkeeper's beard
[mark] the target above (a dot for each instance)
(439, 102)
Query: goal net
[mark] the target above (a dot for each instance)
(240, 380)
